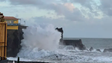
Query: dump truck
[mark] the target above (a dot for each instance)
(3, 38)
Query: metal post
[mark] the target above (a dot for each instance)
(18, 60)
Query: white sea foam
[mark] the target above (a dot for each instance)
(41, 43)
(38, 38)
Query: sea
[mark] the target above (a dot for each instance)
(75, 55)
(97, 43)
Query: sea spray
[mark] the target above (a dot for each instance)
(37, 39)
(41, 43)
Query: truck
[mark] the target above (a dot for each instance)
(3, 40)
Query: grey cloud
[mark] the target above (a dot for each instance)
(75, 16)
(1, 0)
(47, 4)
(60, 9)
(57, 22)
(99, 27)
(86, 3)
(78, 1)
(25, 2)
(42, 4)
(32, 2)
(106, 7)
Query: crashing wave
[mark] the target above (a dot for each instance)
(41, 43)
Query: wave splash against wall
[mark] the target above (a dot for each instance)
(39, 38)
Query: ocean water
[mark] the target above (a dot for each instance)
(71, 55)
(97, 43)
(67, 55)
(41, 43)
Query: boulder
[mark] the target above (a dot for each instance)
(91, 49)
(108, 50)
(98, 50)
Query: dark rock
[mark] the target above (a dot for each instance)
(91, 49)
(98, 50)
(108, 50)
(14, 38)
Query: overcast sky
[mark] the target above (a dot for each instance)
(79, 18)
